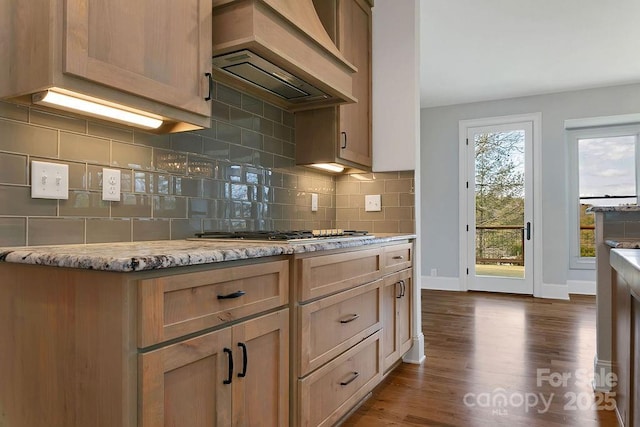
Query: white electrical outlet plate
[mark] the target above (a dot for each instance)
(314, 202)
(111, 185)
(372, 203)
(49, 180)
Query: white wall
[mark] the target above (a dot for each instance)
(396, 84)
(439, 172)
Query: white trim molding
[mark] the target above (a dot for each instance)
(553, 291)
(602, 372)
(415, 354)
(536, 120)
(439, 283)
(582, 287)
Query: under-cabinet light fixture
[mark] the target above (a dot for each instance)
(96, 108)
(331, 167)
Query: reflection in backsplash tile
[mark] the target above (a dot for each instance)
(238, 175)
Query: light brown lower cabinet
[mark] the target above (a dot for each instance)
(397, 303)
(236, 376)
(329, 393)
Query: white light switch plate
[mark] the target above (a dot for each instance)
(49, 180)
(372, 203)
(314, 202)
(111, 185)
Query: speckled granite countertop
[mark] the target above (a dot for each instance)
(628, 208)
(152, 255)
(626, 244)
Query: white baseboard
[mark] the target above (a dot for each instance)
(552, 291)
(415, 354)
(582, 287)
(602, 375)
(440, 283)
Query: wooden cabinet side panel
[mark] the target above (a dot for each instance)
(621, 344)
(316, 136)
(68, 348)
(27, 40)
(635, 358)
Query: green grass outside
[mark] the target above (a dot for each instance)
(500, 270)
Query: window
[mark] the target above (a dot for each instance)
(604, 173)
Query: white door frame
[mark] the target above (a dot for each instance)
(463, 126)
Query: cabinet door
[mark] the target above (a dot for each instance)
(156, 49)
(261, 378)
(183, 384)
(396, 317)
(354, 41)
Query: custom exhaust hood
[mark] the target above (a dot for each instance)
(279, 50)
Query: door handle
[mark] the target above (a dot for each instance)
(210, 81)
(344, 140)
(528, 231)
(230, 375)
(350, 319)
(237, 294)
(350, 380)
(245, 360)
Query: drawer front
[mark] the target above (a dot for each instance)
(333, 324)
(328, 274)
(330, 392)
(398, 257)
(172, 306)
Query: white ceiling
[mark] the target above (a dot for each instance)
(477, 50)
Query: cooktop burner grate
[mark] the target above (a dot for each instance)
(280, 235)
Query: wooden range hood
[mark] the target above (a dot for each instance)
(279, 50)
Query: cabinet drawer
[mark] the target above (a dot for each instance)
(331, 325)
(330, 392)
(328, 274)
(398, 257)
(172, 306)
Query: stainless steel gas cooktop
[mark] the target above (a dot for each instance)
(287, 236)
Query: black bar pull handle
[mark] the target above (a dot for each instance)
(528, 231)
(403, 288)
(236, 294)
(350, 380)
(398, 257)
(230, 375)
(350, 319)
(245, 360)
(344, 140)
(210, 78)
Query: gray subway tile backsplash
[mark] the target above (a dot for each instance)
(13, 231)
(28, 139)
(84, 148)
(13, 169)
(55, 231)
(240, 174)
(106, 230)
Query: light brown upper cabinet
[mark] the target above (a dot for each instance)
(342, 135)
(146, 55)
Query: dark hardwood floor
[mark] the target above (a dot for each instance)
(496, 360)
